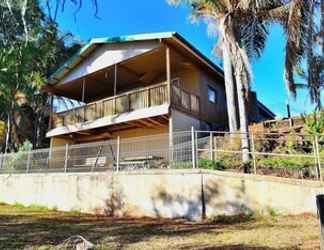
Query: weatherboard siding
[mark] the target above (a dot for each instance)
(213, 113)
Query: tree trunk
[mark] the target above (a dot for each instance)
(244, 123)
(230, 90)
(8, 132)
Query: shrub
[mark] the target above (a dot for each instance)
(314, 123)
(18, 160)
(210, 164)
(291, 162)
(230, 160)
(181, 164)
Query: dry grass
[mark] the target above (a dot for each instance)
(38, 228)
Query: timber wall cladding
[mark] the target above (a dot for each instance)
(167, 193)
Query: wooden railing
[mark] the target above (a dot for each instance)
(129, 101)
(185, 101)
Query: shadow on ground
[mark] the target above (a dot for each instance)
(22, 229)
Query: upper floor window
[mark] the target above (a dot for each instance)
(175, 82)
(212, 94)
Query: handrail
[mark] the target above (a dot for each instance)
(190, 108)
(124, 102)
(96, 110)
(113, 97)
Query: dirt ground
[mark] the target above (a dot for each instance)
(38, 228)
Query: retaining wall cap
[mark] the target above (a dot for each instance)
(309, 183)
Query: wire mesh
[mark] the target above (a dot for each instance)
(286, 155)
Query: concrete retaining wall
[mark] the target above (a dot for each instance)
(167, 193)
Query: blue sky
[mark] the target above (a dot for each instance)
(131, 17)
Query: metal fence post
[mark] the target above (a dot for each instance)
(318, 158)
(253, 153)
(118, 153)
(193, 147)
(196, 148)
(66, 157)
(215, 147)
(211, 147)
(28, 162)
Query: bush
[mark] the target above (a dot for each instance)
(181, 164)
(291, 162)
(210, 164)
(314, 124)
(18, 160)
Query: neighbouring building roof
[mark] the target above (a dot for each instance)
(266, 110)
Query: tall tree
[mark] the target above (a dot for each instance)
(216, 14)
(30, 48)
(313, 71)
(243, 29)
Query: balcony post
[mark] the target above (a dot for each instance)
(168, 79)
(83, 89)
(83, 98)
(115, 88)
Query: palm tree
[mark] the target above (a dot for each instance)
(314, 75)
(243, 29)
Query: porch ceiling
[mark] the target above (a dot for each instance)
(133, 73)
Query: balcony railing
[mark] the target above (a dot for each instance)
(185, 101)
(151, 96)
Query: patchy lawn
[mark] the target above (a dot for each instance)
(39, 228)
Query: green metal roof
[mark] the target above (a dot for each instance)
(93, 43)
(137, 37)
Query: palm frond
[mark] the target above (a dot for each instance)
(253, 33)
(295, 28)
(257, 6)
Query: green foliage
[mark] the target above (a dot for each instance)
(181, 164)
(32, 207)
(286, 162)
(31, 47)
(231, 162)
(26, 146)
(17, 161)
(210, 164)
(2, 130)
(273, 212)
(314, 123)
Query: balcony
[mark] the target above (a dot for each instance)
(136, 104)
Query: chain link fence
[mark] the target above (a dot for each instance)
(286, 155)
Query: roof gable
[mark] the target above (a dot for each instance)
(68, 67)
(106, 55)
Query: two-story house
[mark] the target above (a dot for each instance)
(139, 85)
